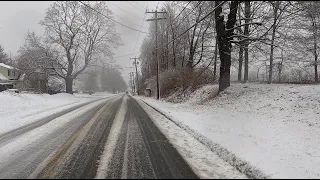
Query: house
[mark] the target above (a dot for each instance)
(9, 76)
(9, 72)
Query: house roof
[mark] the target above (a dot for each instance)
(6, 66)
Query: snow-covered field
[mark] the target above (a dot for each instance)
(274, 128)
(18, 109)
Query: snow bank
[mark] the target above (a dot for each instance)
(18, 109)
(97, 94)
(198, 96)
(64, 96)
(274, 128)
(19, 144)
(204, 162)
(203, 94)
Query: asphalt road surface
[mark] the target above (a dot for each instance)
(74, 149)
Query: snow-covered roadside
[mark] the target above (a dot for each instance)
(19, 144)
(205, 163)
(272, 127)
(20, 109)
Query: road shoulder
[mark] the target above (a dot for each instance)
(204, 162)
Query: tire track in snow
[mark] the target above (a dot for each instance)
(140, 150)
(8, 136)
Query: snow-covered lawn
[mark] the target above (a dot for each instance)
(18, 109)
(275, 128)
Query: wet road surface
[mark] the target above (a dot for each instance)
(74, 149)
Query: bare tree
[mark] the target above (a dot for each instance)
(80, 33)
(224, 37)
(3, 56)
(310, 12)
(36, 62)
(246, 42)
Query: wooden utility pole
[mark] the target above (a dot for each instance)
(137, 81)
(156, 53)
(132, 81)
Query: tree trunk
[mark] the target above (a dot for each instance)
(271, 57)
(224, 39)
(240, 62)
(315, 53)
(272, 40)
(215, 61)
(246, 43)
(69, 83)
(280, 67)
(184, 54)
(173, 47)
(240, 47)
(193, 43)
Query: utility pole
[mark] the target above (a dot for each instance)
(156, 53)
(132, 81)
(137, 81)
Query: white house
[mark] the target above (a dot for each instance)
(9, 76)
(9, 72)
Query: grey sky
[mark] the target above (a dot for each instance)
(17, 17)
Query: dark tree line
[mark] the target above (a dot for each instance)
(267, 41)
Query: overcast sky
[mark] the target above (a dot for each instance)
(17, 17)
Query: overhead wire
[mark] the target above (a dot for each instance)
(138, 25)
(139, 4)
(140, 29)
(187, 14)
(212, 11)
(181, 11)
(133, 6)
(112, 19)
(125, 10)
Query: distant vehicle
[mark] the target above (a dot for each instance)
(53, 91)
(88, 92)
(13, 90)
(5, 86)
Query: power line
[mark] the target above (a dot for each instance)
(181, 11)
(156, 19)
(140, 29)
(139, 4)
(134, 6)
(125, 10)
(214, 9)
(135, 59)
(113, 19)
(187, 14)
(127, 20)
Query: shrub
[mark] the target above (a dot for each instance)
(180, 81)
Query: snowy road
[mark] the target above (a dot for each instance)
(142, 151)
(107, 138)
